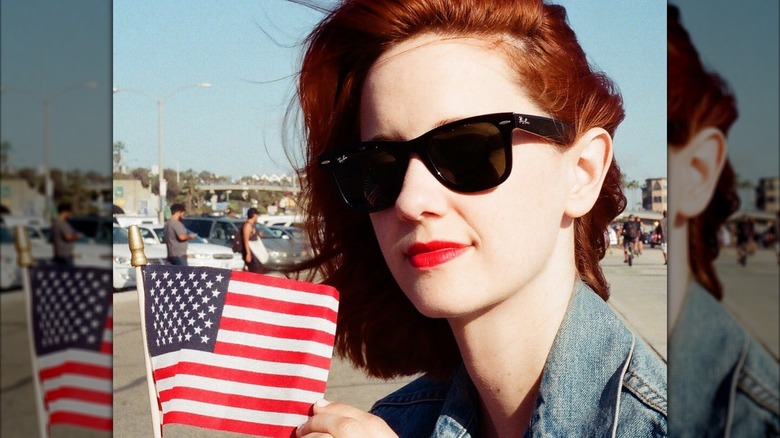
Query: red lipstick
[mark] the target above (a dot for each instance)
(431, 254)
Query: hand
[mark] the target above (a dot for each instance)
(338, 420)
(248, 257)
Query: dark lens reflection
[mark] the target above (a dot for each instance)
(470, 157)
(372, 180)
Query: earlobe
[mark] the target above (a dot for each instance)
(703, 159)
(592, 156)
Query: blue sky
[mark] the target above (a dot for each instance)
(233, 128)
(49, 47)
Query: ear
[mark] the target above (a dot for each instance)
(591, 157)
(701, 162)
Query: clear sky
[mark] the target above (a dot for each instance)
(49, 47)
(233, 128)
(742, 45)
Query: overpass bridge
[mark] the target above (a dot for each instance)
(246, 187)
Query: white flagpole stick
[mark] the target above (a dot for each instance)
(139, 260)
(25, 259)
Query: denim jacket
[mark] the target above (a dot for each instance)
(722, 382)
(600, 380)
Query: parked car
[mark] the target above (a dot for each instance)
(10, 273)
(285, 255)
(199, 253)
(86, 253)
(123, 271)
(216, 230)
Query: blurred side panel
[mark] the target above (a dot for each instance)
(724, 198)
(55, 123)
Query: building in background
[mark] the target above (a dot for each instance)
(654, 195)
(768, 194)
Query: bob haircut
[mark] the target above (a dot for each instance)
(698, 99)
(378, 327)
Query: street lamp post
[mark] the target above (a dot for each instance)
(160, 147)
(46, 102)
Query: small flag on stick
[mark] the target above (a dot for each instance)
(237, 351)
(72, 327)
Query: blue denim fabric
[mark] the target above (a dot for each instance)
(600, 380)
(722, 382)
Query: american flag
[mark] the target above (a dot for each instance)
(237, 351)
(73, 333)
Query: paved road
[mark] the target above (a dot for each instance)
(638, 296)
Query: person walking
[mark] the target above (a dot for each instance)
(628, 235)
(63, 237)
(745, 239)
(176, 236)
(638, 236)
(250, 233)
(662, 231)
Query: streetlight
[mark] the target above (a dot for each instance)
(160, 103)
(46, 102)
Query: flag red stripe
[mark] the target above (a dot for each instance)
(276, 331)
(235, 401)
(268, 355)
(284, 283)
(109, 323)
(107, 347)
(81, 420)
(79, 394)
(83, 369)
(271, 305)
(234, 375)
(236, 426)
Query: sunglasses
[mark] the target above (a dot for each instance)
(466, 156)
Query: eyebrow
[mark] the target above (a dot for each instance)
(386, 137)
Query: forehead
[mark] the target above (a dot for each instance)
(430, 78)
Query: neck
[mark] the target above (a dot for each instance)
(505, 347)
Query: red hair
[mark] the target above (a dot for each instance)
(698, 99)
(378, 328)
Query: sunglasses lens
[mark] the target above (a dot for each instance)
(371, 180)
(471, 157)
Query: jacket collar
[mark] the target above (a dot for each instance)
(583, 376)
(706, 348)
(580, 382)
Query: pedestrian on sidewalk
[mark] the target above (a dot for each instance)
(746, 239)
(460, 176)
(722, 382)
(249, 234)
(662, 233)
(176, 236)
(639, 236)
(629, 234)
(63, 236)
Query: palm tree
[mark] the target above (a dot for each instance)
(5, 159)
(118, 148)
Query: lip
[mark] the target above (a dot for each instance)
(431, 254)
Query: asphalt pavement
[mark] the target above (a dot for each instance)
(638, 296)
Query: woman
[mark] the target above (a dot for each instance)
(460, 176)
(722, 382)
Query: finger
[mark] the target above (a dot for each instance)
(332, 425)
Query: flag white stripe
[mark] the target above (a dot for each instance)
(281, 319)
(73, 355)
(240, 414)
(80, 407)
(281, 294)
(272, 343)
(238, 388)
(78, 381)
(239, 363)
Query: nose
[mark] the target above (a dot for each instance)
(421, 194)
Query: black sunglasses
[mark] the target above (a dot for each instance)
(467, 156)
